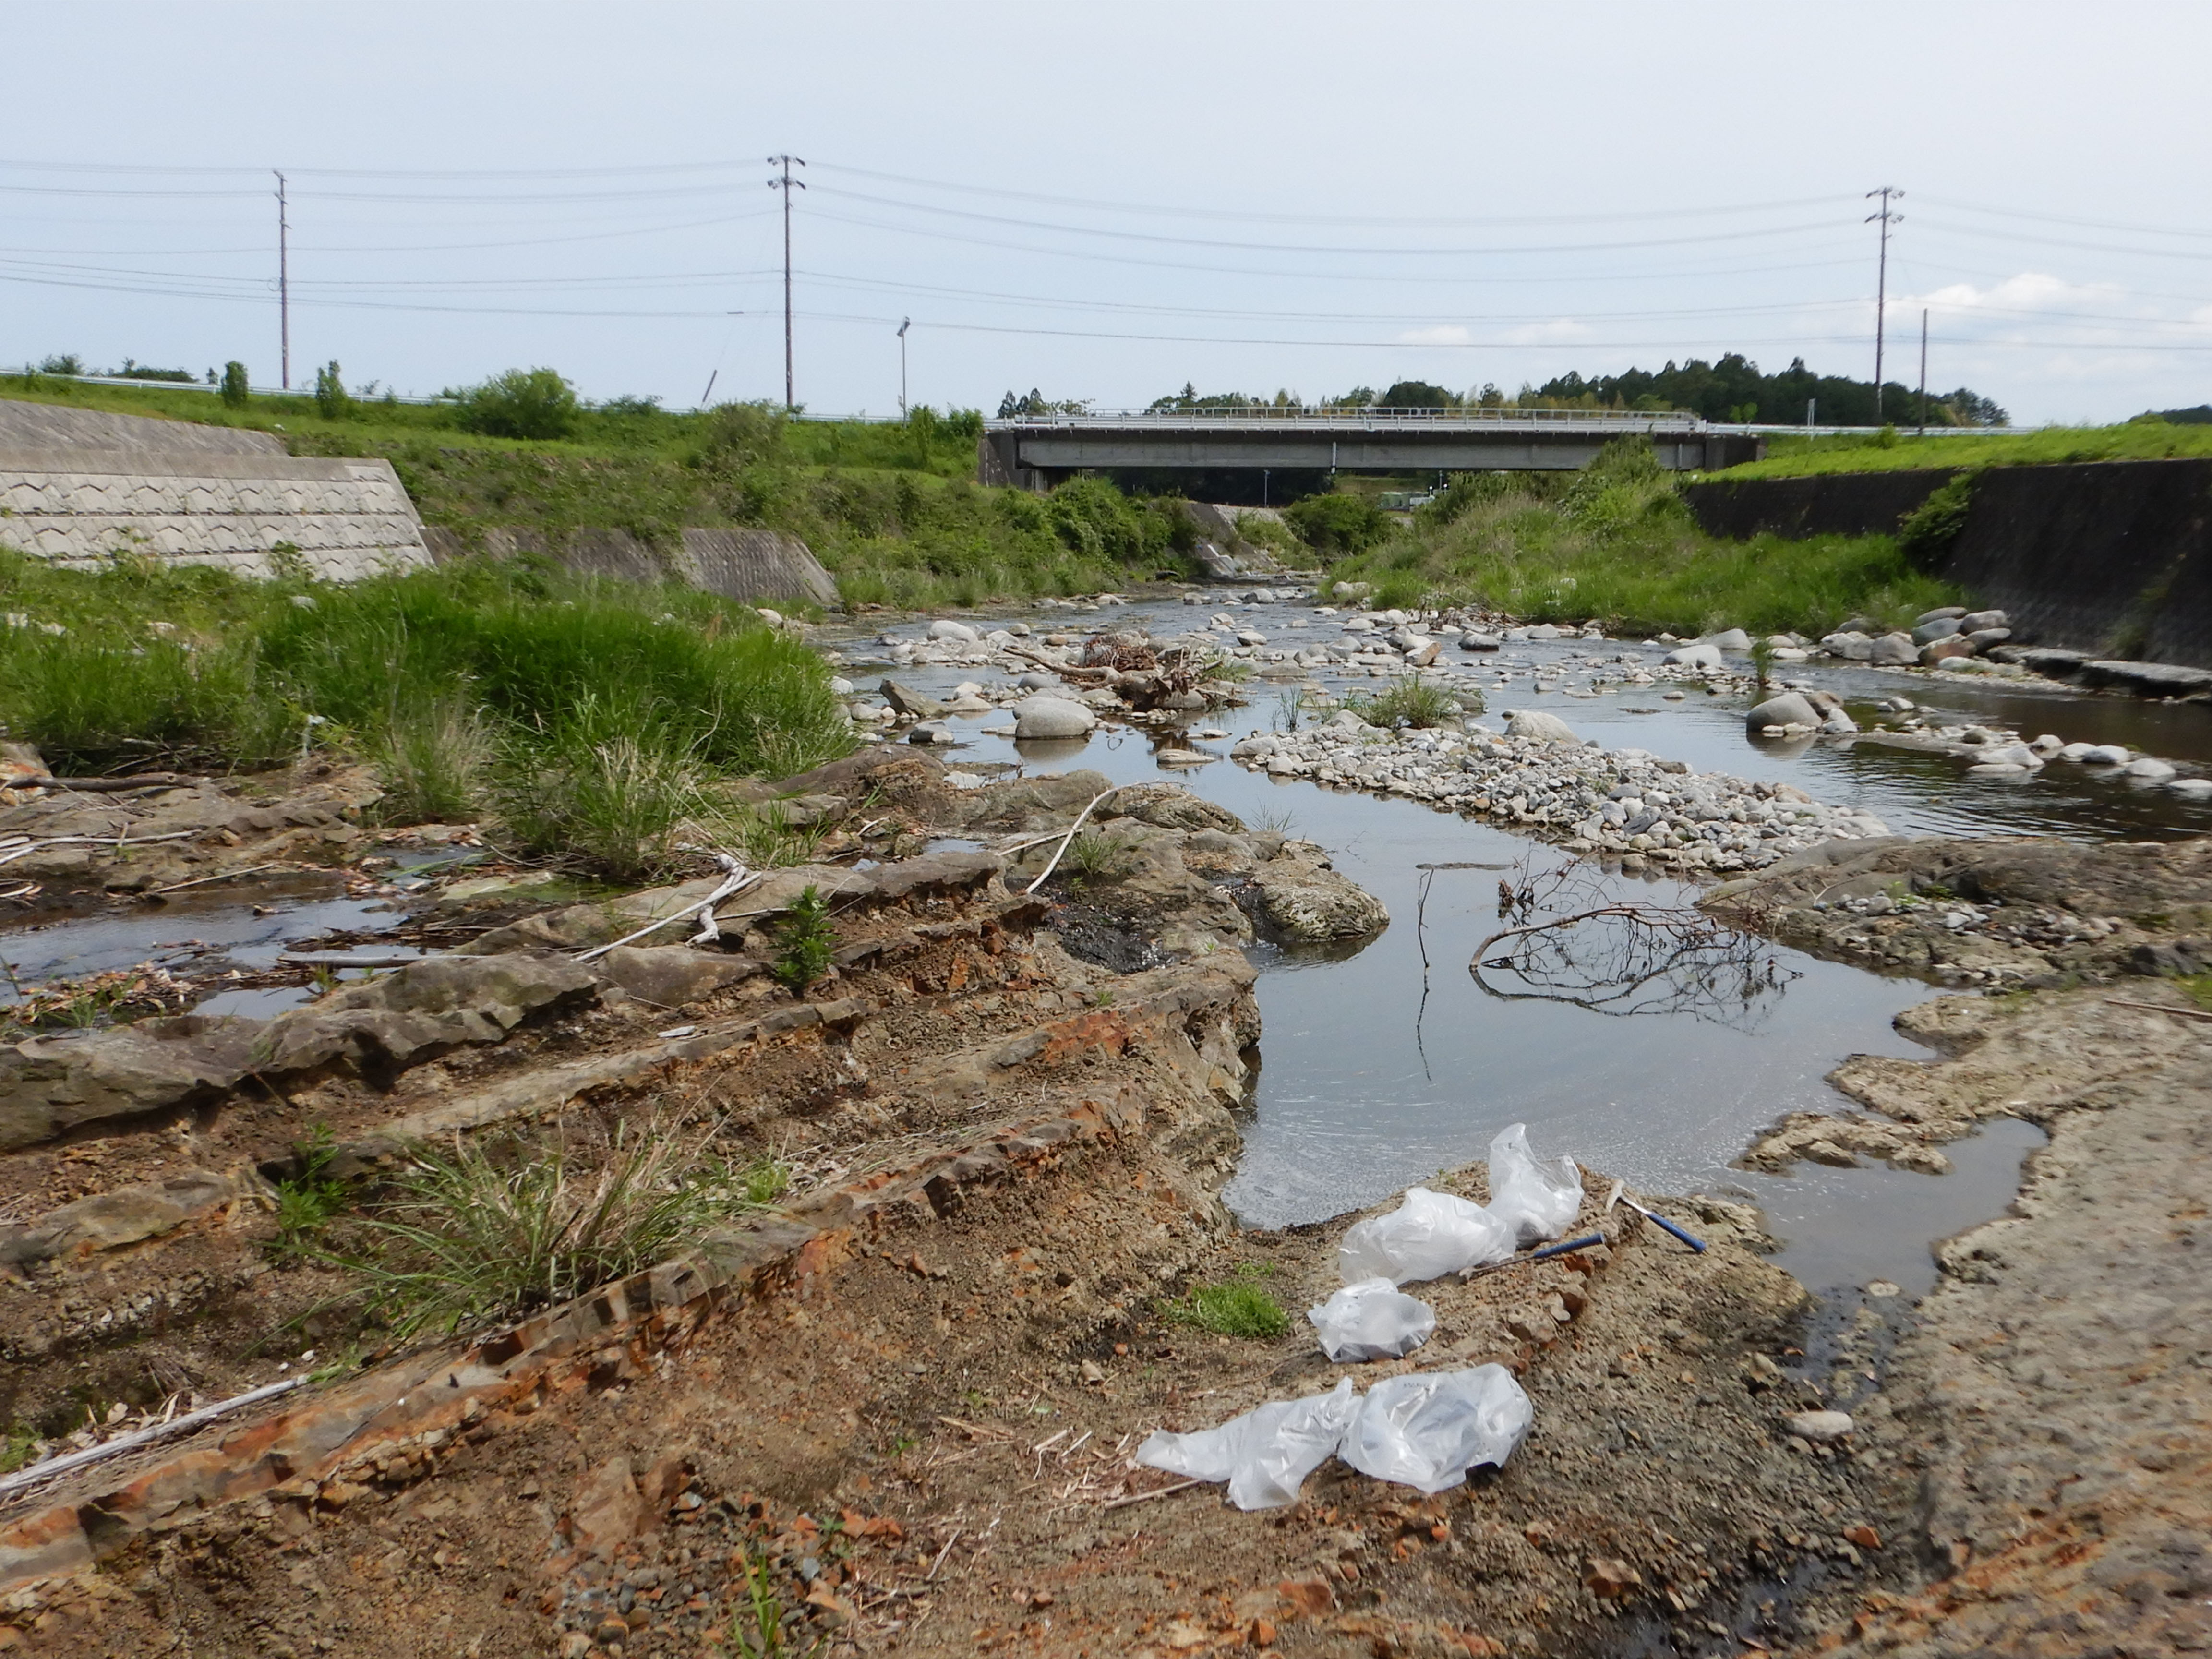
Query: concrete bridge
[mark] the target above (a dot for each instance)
(1035, 451)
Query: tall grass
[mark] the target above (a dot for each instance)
(2132, 441)
(596, 717)
(1615, 542)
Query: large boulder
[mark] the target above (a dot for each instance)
(674, 975)
(51, 1085)
(1850, 646)
(1942, 650)
(1540, 727)
(1975, 621)
(958, 633)
(1729, 639)
(1303, 899)
(1895, 649)
(1052, 717)
(1787, 710)
(1935, 628)
(420, 1012)
(1701, 655)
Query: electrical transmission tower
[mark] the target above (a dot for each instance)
(1886, 219)
(784, 182)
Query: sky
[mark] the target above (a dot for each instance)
(1106, 201)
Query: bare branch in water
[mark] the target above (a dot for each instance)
(1572, 941)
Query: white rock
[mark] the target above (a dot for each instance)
(942, 630)
(2192, 788)
(1787, 710)
(1701, 655)
(1052, 717)
(1534, 724)
(2047, 744)
(1729, 639)
(2107, 754)
(2076, 751)
(841, 687)
(2150, 770)
(1821, 1427)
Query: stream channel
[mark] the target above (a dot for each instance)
(1383, 1066)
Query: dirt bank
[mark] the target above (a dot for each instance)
(898, 1400)
(2042, 1428)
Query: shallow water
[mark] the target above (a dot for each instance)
(1378, 1072)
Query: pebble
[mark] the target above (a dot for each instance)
(1822, 1428)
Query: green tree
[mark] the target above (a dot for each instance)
(523, 403)
(1338, 524)
(234, 385)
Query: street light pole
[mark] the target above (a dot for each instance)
(905, 323)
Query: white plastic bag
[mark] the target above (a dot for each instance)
(1428, 1235)
(1537, 1201)
(1371, 1320)
(1266, 1455)
(1428, 1429)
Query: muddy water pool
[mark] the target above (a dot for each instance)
(1378, 1069)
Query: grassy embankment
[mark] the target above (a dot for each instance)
(596, 723)
(1616, 543)
(890, 510)
(2133, 440)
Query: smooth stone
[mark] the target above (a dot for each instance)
(840, 687)
(1936, 628)
(2107, 754)
(1729, 639)
(2192, 788)
(1701, 655)
(1534, 723)
(942, 630)
(1894, 648)
(1941, 613)
(907, 701)
(2150, 770)
(1943, 649)
(1973, 622)
(1790, 708)
(1052, 717)
(1822, 1428)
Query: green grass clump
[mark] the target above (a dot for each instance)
(2132, 441)
(482, 1233)
(309, 1200)
(1417, 702)
(2199, 986)
(1237, 1307)
(1615, 542)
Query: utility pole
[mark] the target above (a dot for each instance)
(1924, 371)
(905, 323)
(284, 284)
(784, 182)
(1885, 218)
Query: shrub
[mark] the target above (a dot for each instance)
(332, 401)
(744, 435)
(1925, 534)
(1339, 523)
(805, 940)
(235, 392)
(523, 403)
(65, 363)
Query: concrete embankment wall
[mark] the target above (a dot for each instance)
(757, 566)
(2110, 557)
(80, 487)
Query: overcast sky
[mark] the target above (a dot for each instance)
(1107, 200)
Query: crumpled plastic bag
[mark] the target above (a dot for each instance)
(1371, 1320)
(1429, 1429)
(1426, 1237)
(1538, 1200)
(1266, 1455)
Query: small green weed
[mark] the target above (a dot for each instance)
(1098, 855)
(759, 1629)
(768, 837)
(309, 1201)
(2199, 986)
(16, 1446)
(1237, 1307)
(805, 940)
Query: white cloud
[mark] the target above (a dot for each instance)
(1440, 334)
(1558, 331)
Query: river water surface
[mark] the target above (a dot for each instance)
(1381, 1068)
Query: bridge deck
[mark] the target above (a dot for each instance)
(1037, 451)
